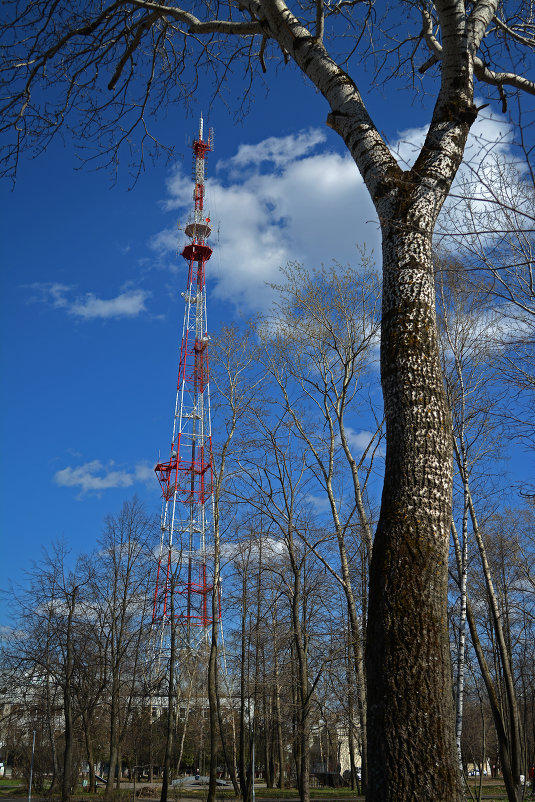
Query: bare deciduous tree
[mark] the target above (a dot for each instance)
(111, 62)
(122, 588)
(318, 347)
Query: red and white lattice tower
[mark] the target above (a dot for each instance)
(184, 579)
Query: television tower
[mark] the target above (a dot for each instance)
(184, 580)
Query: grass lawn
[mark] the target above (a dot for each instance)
(491, 791)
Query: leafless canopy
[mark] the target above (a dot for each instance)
(100, 71)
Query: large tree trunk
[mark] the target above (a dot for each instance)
(411, 734)
(410, 702)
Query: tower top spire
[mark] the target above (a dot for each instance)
(198, 229)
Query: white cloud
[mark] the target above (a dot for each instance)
(248, 552)
(129, 303)
(311, 207)
(52, 293)
(277, 150)
(358, 441)
(319, 503)
(286, 199)
(94, 476)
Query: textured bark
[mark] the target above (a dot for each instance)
(411, 739)
(411, 734)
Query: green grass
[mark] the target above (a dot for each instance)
(275, 793)
(9, 787)
(492, 791)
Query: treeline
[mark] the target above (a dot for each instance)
(299, 451)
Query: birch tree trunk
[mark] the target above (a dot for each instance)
(410, 709)
(409, 689)
(461, 554)
(454, 333)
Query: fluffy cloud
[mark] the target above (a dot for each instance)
(273, 202)
(94, 476)
(289, 198)
(359, 441)
(129, 303)
(249, 552)
(276, 150)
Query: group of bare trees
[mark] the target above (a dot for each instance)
(309, 471)
(72, 668)
(299, 463)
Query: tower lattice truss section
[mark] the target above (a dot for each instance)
(185, 569)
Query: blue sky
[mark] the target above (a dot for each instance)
(91, 314)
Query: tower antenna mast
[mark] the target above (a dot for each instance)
(184, 581)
